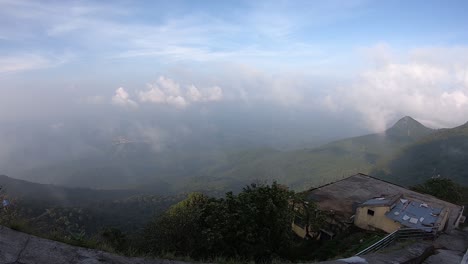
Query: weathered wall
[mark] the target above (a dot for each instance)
(442, 221)
(376, 221)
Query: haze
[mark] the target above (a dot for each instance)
(213, 77)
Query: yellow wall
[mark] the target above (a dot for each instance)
(376, 221)
(299, 230)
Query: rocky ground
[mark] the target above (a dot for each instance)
(449, 248)
(21, 248)
(446, 249)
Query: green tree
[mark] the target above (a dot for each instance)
(253, 225)
(180, 229)
(262, 217)
(442, 188)
(311, 217)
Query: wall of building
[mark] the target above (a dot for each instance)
(377, 221)
(299, 230)
(442, 221)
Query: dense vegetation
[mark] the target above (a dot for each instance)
(442, 154)
(253, 225)
(77, 213)
(442, 188)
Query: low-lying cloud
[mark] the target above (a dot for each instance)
(166, 91)
(122, 98)
(422, 84)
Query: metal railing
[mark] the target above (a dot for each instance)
(401, 234)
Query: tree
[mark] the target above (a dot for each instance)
(253, 225)
(312, 218)
(264, 215)
(442, 188)
(179, 230)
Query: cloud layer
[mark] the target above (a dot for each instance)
(122, 98)
(423, 83)
(166, 91)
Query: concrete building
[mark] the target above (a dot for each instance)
(374, 204)
(392, 213)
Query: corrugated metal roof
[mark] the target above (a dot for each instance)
(381, 201)
(376, 201)
(414, 214)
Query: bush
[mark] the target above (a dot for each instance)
(442, 188)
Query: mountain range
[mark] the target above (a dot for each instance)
(407, 152)
(443, 153)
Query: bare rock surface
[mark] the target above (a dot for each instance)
(414, 253)
(21, 248)
(445, 256)
(450, 248)
(456, 240)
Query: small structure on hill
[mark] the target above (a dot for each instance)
(393, 213)
(374, 204)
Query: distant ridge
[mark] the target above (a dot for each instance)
(304, 168)
(442, 153)
(49, 194)
(300, 169)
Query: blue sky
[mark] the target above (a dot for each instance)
(333, 54)
(47, 33)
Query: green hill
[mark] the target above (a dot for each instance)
(304, 168)
(443, 153)
(52, 195)
(218, 170)
(48, 207)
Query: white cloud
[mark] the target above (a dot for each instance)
(176, 101)
(167, 91)
(122, 98)
(329, 104)
(193, 93)
(23, 63)
(427, 87)
(213, 94)
(251, 84)
(153, 95)
(380, 54)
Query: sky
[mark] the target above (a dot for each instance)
(348, 66)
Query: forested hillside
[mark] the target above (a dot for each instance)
(80, 210)
(134, 165)
(302, 169)
(442, 154)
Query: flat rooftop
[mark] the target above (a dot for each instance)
(345, 195)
